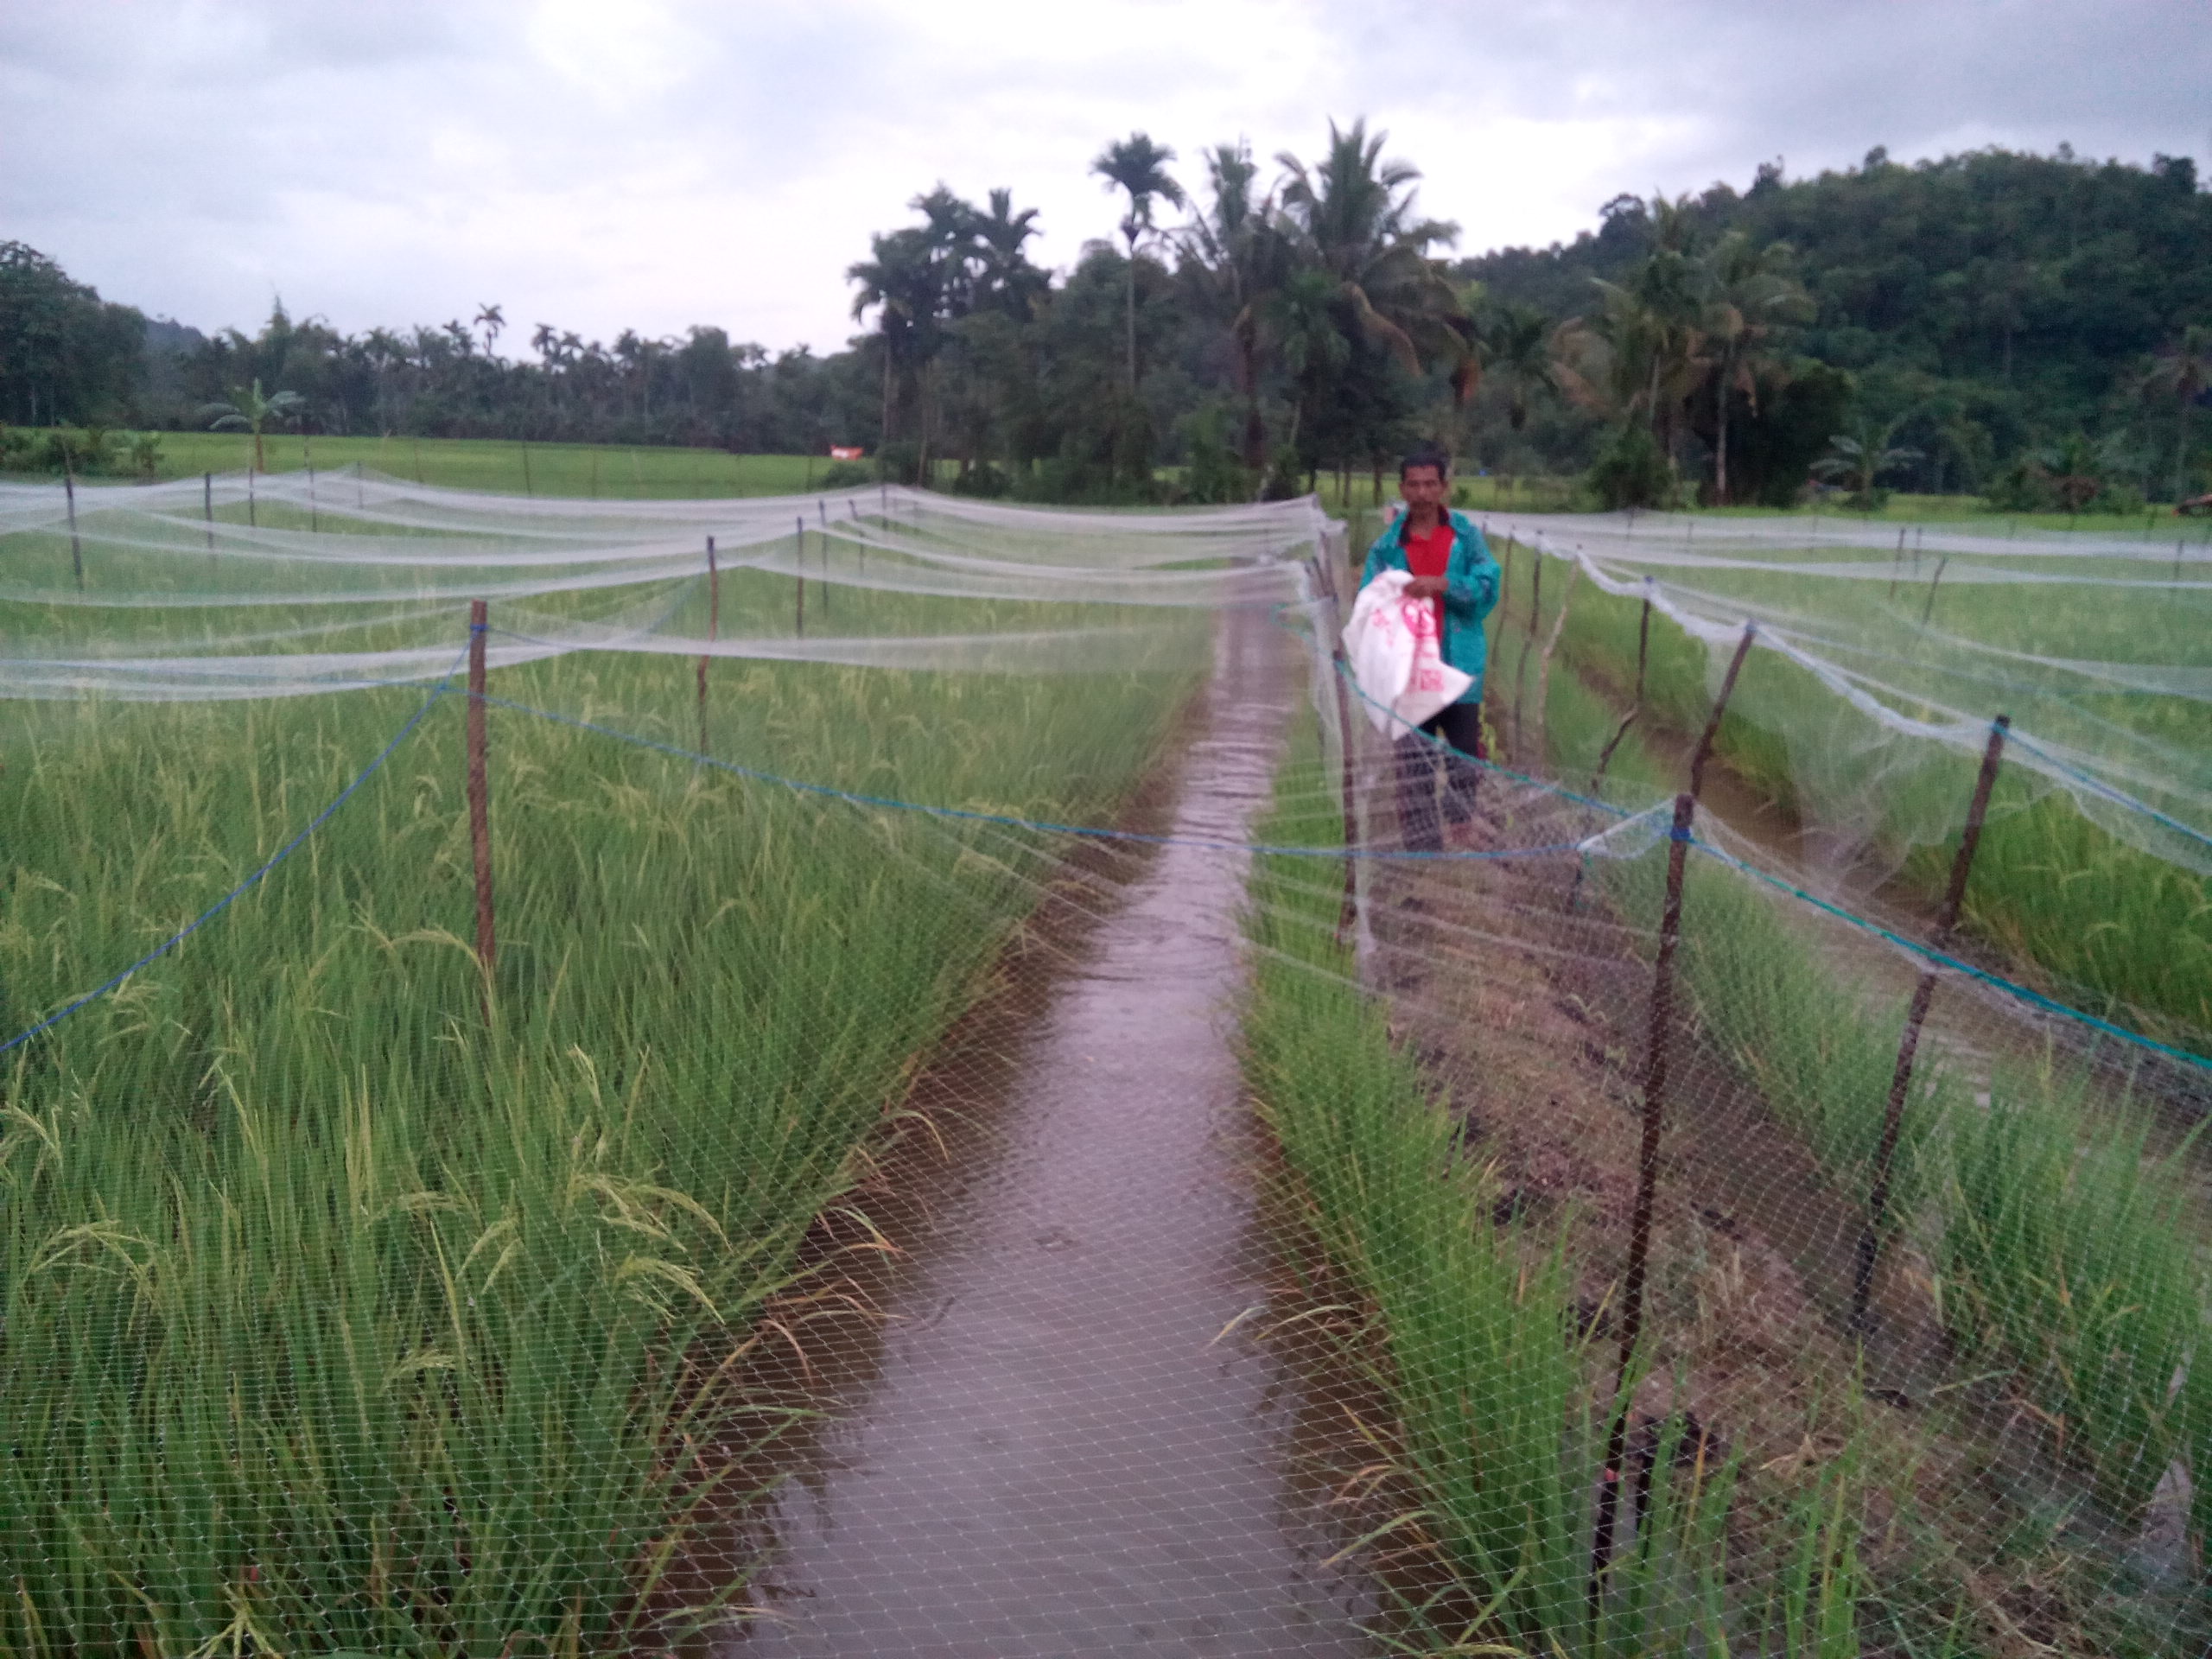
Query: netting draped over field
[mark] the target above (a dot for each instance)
(281, 583)
(1907, 640)
(1682, 1240)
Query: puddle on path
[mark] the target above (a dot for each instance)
(1047, 1451)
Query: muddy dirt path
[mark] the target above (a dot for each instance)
(1055, 1450)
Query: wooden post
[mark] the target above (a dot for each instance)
(856, 507)
(208, 506)
(1897, 565)
(315, 514)
(1927, 610)
(252, 511)
(1635, 702)
(480, 806)
(1528, 644)
(1657, 1032)
(76, 548)
(1720, 707)
(714, 628)
(359, 499)
(1544, 663)
(1878, 1196)
(527, 488)
(800, 563)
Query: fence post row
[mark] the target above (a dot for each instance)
(480, 807)
(76, 549)
(1647, 1181)
(714, 627)
(1924, 992)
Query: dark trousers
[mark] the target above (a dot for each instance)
(1460, 725)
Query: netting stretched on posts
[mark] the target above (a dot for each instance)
(378, 1283)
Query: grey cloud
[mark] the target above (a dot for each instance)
(397, 161)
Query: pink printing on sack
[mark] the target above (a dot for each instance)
(1420, 617)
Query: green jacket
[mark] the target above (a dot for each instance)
(1471, 579)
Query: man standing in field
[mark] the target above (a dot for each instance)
(1452, 567)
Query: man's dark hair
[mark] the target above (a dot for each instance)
(1426, 454)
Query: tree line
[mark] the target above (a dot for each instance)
(2037, 329)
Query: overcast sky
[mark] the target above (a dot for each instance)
(656, 163)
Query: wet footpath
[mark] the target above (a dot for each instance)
(1056, 1450)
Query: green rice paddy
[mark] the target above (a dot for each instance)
(356, 1299)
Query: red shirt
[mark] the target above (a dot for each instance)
(1427, 555)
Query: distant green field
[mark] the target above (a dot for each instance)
(613, 472)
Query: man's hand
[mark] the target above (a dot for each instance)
(1426, 588)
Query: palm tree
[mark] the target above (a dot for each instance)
(1859, 458)
(2184, 375)
(1300, 320)
(1354, 217)
(1748, 293)
(1516, 348)
(1007, 280)
(490, 319)
(900, 284)
(1139, 166)
(250, 411)
(1238, 251)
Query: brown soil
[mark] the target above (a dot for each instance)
(1526, 1001)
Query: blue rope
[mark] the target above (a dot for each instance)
(1044, 826)
(2110, 793)
(2020, 993)
(275, 859)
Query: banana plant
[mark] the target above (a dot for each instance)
(249, 410)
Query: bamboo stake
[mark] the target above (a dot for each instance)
(480, 807)
(1927, 610)
(76, 548)
(527, 488)
(800, 563)
(1647, 1180)
(1528, 644)
(1636, 703)
(1720, 707)
(1544, 663)
(207, 507)
(252, 511)
(1939, 938)
(714, 627)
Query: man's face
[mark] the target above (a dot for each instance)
(1422, 487)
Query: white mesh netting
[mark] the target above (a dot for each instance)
(991, 1112)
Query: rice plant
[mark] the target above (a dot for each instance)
(354, 1299)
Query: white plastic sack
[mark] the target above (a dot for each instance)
(1391, 644)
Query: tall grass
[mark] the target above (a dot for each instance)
(2067, 1254)
(347, 1308)
(2081, 1262)
(2124, 932)
(1501, 1404)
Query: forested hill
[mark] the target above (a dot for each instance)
(2035, 329)
(2026, 290)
